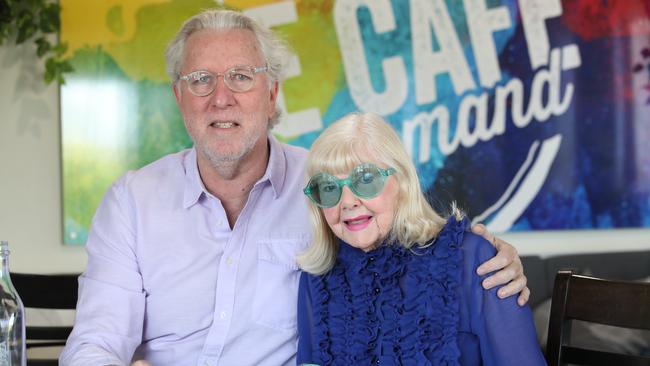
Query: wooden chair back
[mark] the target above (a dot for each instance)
(618, 303)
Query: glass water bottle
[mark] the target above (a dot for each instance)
(12, 316)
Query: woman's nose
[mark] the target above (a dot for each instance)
(348, 199)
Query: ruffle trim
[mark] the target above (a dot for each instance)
(355, 308)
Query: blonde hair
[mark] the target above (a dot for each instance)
(348, 142)
(275, 50)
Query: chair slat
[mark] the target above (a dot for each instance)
(47, 332)
(609, 302)
(582, 356)
(617, 303)
(42, 362)
(58, 291)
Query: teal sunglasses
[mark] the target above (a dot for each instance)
(365, 181)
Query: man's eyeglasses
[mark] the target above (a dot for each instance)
(238, 79)
(365, 181)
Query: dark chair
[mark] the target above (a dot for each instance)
(58, 291)
(617, 303)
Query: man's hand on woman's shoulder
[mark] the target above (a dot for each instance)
(508, 264)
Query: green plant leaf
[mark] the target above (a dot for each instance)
(33, 4)
(4, 33)
(26, 26)
(5, 13)
(55, 68)
(42, 46)
(24, 33)
(50, 20)
(60, 49)
(23, 20)
(66, 66)
(50, 70)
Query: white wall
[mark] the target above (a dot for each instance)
(30, 181)
(30, 167)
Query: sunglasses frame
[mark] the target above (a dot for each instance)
(383, 175)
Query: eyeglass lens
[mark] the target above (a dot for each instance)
(239, 79)
(365, 181)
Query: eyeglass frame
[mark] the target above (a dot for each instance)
(341, 182)
(253, 69)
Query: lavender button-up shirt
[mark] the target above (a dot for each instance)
(168, 280)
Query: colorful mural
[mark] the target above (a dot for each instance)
(531, 114)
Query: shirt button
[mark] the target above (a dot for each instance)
(229, 261)
(222, 315)
(377, 290)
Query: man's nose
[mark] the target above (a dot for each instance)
(222, 96)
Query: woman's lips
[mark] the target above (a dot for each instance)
(357, 223)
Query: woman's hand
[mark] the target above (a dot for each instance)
(508, 264)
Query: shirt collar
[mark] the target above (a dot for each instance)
(385, 260)
(275, 173)
(194, 187)
(276, 170)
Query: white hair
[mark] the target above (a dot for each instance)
(275, 50)
(347, 143)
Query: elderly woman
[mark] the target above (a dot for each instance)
(387, 280)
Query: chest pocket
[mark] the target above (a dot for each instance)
(276, 292)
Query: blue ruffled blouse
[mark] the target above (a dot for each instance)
(418, 306)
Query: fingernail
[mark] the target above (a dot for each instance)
(487, 284)
(502, 293)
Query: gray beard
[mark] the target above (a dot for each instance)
(226, 165)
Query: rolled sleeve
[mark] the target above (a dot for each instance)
(110, 310)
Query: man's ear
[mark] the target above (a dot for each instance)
(176, 88)
(273, 98)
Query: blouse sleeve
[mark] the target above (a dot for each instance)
(305, 323)
(505, 330)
